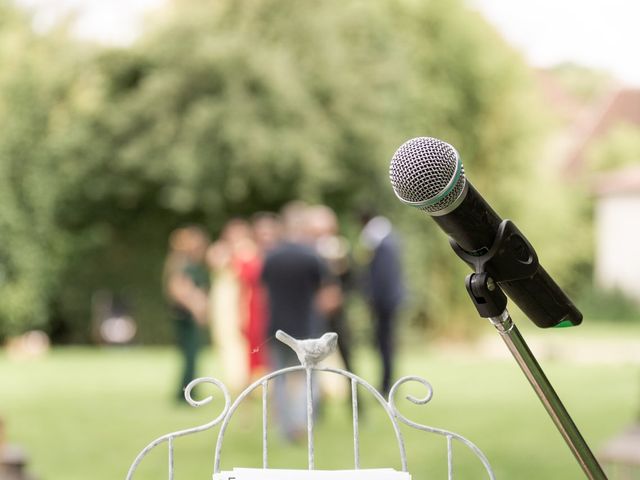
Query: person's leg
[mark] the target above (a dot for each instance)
(181, 343)
(192, 347)
(338, 324)
(188, 340)
(384, 338)
(278, 356)
(290, 393)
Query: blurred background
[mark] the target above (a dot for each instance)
(124, 120)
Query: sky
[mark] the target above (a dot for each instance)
(603, 34)
(107, 21)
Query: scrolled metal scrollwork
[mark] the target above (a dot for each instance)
(450, 436)
(411, 398)
(305, 350)
(169, 437)
(199, 403)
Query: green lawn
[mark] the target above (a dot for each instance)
(85, 413)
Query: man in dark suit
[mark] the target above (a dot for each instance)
(384, 287)
(293, 275)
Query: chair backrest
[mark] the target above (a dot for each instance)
(388, 405)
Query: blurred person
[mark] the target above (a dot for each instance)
(247, 264)
(335, 251)
(293, 275)
(267, 230)
(384, 287)
(111, 319)
(226, 312)
(185, 285)
(28, 346)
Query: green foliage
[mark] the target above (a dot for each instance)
(225, 108)
(586, 84)
(33, 246)
(469, 89)
(211, 116)
(244, 108)
(598, 304)
(558, 222)
(619, 148)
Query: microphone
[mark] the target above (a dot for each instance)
(427, 173)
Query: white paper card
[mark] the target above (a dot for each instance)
(274, 474)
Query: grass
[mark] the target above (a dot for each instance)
(85, 413)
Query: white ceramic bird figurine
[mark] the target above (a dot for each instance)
(313, 350)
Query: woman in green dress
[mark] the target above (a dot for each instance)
(186, 283)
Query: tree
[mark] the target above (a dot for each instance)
(32, 98)
(619, 148)
(224, 108)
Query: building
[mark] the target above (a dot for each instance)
(617, 198)
(617, 225)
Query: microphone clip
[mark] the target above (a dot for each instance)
(510, 258)
(488, 298)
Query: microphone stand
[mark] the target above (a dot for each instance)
(491, 302)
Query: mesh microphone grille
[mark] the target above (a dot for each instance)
(422, 168)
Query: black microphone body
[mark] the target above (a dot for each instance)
(473, 225)
(427, 173)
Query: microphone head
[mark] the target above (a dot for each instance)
(428, 174)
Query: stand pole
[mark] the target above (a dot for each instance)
(532, 370)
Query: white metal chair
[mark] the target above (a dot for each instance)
(309, 366)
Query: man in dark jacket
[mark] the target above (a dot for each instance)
(384, 287)
(293, 275)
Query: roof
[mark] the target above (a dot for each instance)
(622, 181)
(625, 107)
(622, 107)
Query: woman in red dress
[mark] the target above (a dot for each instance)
(248, 267)
(248, 257)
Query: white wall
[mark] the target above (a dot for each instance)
(618, 243)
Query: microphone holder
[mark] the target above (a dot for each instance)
(511, 257)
